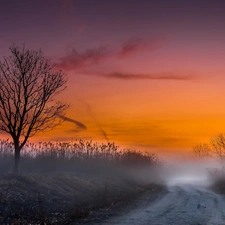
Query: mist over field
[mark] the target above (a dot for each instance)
(74, 182)
(111, 112)
(63, 182)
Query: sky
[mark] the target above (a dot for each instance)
(147, 75)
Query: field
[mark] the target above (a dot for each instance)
(72, 182)
(217, 179)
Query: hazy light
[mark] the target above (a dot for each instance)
(189, 179)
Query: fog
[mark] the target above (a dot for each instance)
(107, 161)
(192, 171)
(93, 176)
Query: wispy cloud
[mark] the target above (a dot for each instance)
(79, 126)
(90, 57)
(137, 44)
(91, 114)
(157, 76)
(85, 59)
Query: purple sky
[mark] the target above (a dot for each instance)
(153, 68)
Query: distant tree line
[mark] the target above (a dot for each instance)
(215, 147)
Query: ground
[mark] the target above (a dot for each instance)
(63, 198)
(182, 204)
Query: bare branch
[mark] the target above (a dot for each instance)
(28, 86)
(202, 150)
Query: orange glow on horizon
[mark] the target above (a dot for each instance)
(152, 73)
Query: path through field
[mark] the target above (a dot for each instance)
(183, 204)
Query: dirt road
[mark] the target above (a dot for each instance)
(183, 204)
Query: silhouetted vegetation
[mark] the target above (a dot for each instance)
(71, 154)
(63, 182)
(28, 86)
(217, 179)
(215, 148)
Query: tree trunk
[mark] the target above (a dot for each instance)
(17, 160)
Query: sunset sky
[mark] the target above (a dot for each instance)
(148, 75)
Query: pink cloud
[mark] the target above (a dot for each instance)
(85, 59)
(137, 44)
(157, 76)
(90, 57)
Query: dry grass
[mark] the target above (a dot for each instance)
(46, 156)
(64, 182)
(217, 178)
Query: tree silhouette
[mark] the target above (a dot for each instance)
(218, 146)
(28, 85)
(202, 150)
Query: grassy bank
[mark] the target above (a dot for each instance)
(217, 180)
(65, 182)
(63, 198)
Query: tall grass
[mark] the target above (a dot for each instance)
(89, 176)
(55, 155)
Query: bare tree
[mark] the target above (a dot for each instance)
(218, 146)
(202, 150)
(28, 85)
